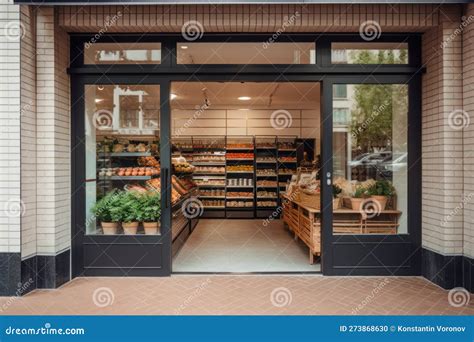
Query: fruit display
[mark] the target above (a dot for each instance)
(240, 182)
(148, 161)
(213, 203)
(240, 168)
(283, 171)
(182, 145)
(267, 183)
(240, 146)
(239, 156)
(187, 183)
(181, 165)
(286, 146)
(243, 194)
(210, 182)
(206, 144)
(287, 159)
(155, 184)
(135, 187)
(128, 171)
(209, 158)
(266, 172)
(113, 145)
(210, 170)
(212, 193)
(178, 186)
(266, 204)
(266, 160)
(266, 194)
(240, 204)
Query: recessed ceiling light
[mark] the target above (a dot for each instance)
(173, 96)
(98, 100)
(244, 98)
(184, 47)
(101, 87)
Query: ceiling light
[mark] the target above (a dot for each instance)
(173, 96)
(101, 87)
(98, 100)
(244, 98)
(184, 47)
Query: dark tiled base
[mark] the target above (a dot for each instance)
(53, 271)
(28, 274)
(10, 281)
(448, 271)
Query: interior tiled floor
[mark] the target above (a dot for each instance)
(243, 294)
(219, 245)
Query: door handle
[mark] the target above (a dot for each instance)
(166, 188)
(328, 178)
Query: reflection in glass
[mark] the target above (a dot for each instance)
(122, 53)
(370, 160)
(369, 53)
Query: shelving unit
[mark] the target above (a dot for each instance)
(286, 148)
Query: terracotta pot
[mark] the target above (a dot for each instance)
(151, 228)
(382, 200)
(356, 203)
(336, 203)
(130, 228)
(109, 228)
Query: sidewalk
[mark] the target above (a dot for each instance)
(243, 295)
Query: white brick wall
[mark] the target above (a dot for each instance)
(468, 134)
(9, 127)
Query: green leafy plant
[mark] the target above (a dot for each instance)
(150, 206)
(336, 190)
(106, 209)
(382, 188)
(360, 192)
(130, 206)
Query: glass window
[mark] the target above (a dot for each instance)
(122, 53)
(369, 53)
(370, 153)
(340, 91)
(246, 53)
(122, 159)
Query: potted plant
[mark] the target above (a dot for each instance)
(151, 211)
(336, 202)
(380, 191)
(358, 197)
(105, 210)
(130, 211)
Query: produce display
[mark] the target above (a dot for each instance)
(283, 171)
(239, 146)
(181, 165)
(287, 159)
(182, 145)
(187, 183)
(240, 182)
(155, 184)
(203, 144)
(210, 169)
(266, 160)
(266, 204)
(148, 161)
(265, 145)
(240, 168)
(239, 156)
(209, 158)
(266, 172)
(240, 204)
(266, 183)
(210, 182)
(213, 203)
(128, 171)
(112, 145)
(286, 146)
(243, 194)
(267, 194)
(212, 193)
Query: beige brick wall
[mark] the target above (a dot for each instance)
(53, 135)
(10, 201)
(468, 133)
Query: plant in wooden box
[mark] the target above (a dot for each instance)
(358, 198)
(151, 211)
(106, 210)
(336, 201)
(131, 213)
(381, 191)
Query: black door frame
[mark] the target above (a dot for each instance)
(323, 71)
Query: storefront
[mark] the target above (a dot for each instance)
(310, 138)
